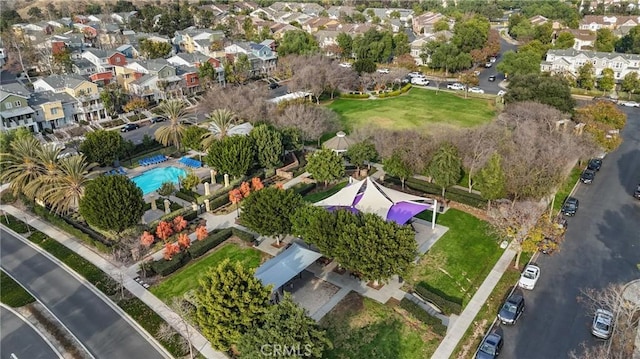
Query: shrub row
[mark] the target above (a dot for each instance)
(14, 224)
(420, 314)
(354, 95)
(199, 248)
(304, 188)
(243, 235)
(219, 201)
(165, 267)
(187, 195)
(447, 305)
(399, 92)
(454, 194)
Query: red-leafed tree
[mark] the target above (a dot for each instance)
(245, 189)
(164, 230)
(147, 239)
(201, 233)
(179, 223)
(256, 184)
(170, 249)
(235, 196)
(184, 241)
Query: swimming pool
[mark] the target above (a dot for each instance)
(151, 180)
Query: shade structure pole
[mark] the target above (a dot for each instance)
(435, 209)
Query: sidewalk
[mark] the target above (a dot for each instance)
(121, 275)
(456, 331)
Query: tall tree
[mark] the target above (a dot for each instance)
(519, 63)
(230, 301)
(103, 147)
(491, 180)
(268, 145)
(192, 138)
(268, 211)
(232, 155)
(601, 120)
(549, 90)
(346, 44)
(445, 168)
(630, 43)
(565, 40)
(397, 166)
(297, 42)
(114, 98)
(20, 165)
(361, 153)
(514, 221)
(475, 146)
(631, 83)
(154, 49)
(606, 83)
(313, 121)
(171, 132)
(605, 40)
(112, 203)
(586, 76)
(64, 190)
(325, 165)
(221, 121)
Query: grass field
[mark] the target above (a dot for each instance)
(418, 109)
(11, 293)
(458, 263)
(187, 278)
(565, 189)
(362, 328)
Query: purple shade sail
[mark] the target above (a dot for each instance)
(357, 198)
(402, 212)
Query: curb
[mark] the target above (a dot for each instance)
(21, 317)
(98, 293)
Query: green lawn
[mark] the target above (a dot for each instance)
(187, 278)
(458, 263)
(362, 328)
(566, 188)
(12, 294)
(418, 109)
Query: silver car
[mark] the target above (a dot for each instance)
(602, 324)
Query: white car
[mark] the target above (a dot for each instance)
(476, 90)
(502, 93)
(602, 324)
(415, 74)
(630, 104)
(345, 64)
(492, 60)
(420, 81)
(456, 86)
(383, 71)
(529, 277)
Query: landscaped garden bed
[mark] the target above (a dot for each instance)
(112, 123)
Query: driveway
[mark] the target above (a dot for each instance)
(602, 246)
(102, 330)
(20, 340)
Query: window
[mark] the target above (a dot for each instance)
(54, 111)
(8, 105)
(89, 90)
(17, 103)
(193, 80)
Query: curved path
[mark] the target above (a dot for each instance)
(19, 339)
(102, 330)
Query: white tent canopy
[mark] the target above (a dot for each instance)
(280, 269)
(344, 197)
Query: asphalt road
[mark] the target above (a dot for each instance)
(19, 340)
(101, 329)
(602, 246)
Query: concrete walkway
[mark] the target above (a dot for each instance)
(456, 331)
(121, 275)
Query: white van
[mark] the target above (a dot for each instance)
(419, 81)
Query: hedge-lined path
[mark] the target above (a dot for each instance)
(120, 275)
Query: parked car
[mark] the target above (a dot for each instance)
(602, 324)
(587, 176)
(605, 98)
(502, 93)
(490, 347)
(529, 277)
(636, 193)
(274, 85)
(415, 74)
(492, 78)
(492, 60)
(476, 90)
(157, 119)
(570, 206)
(488, 64)
(420, 81)
(511, 309)
(594, 164)
(383, 71)
(629, 104)
(456, 86)
(129, 127)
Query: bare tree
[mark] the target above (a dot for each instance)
(46, 59)
(312, 120)
(312, 77)
(476, 146)
(626, 313)
(339, 78)
(514, 221)
(248, 102)
(167, 333)
(598, 351)
(416, 149)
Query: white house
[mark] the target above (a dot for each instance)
(569, 61)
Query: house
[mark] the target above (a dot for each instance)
(278, 30)
(83, 67)
(583, 39)
(123, 17)
(315, 24)
(538, 20)
(385, 14)
(417, 45)
(423, 24)
(14, 108)
(104, 60)
(86, 93)
(569, 62)
(54, 110)
(128, 51)
(191, 81)
(194, 60)
(263, 59)
(102, 78)
(336, 12)
(612, 22)
(124, 76)
(159, 80)
(191, 39)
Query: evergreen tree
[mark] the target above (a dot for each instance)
(397, 167)
(586, 76)
(445, 168)
(361, 152)
(232, 155)
(112, 203)
(325, 165)
(103, 147)
(491, 179)
(606, 83)
(268, 145)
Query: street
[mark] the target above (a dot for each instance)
(602, 246)
(19, 340)
(97, 326)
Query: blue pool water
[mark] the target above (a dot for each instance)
(151, 180)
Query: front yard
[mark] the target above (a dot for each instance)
(363, 328)
(186, 279)
(419, 109)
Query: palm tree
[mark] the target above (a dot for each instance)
(222, 121)
(47, 157)
(64, 190)
(21, 166)
(171, 133)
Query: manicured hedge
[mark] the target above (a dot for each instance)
(165, 267)
(304, 188)
(219, 201)
(243, 235)
(199, 248)
(446, 305)
(420, 314)
(354, 95)
(187, 195)
(454, 194)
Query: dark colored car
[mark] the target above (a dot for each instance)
(490, 347)
(274, 85)
(587, 176)
(636, 193)
(570, 206)
(511, 309)
(594, 164)
(492, 78)
(129, 127)
(157, 119)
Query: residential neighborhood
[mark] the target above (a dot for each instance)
(327, 179)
